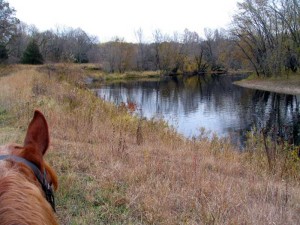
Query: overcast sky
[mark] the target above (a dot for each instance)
(110, 18)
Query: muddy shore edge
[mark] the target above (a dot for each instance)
(291, 87)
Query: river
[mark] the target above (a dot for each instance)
(211, 103)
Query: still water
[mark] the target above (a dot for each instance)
(210, 102)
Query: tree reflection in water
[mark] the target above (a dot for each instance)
(212, 102)
(280, 115)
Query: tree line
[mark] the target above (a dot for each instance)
(264, 37)
(268, 34)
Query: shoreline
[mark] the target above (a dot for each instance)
(288, 86)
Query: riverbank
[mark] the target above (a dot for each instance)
(284, 85)
(114, 168)
(97, 76)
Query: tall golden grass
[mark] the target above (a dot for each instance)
(116, 169)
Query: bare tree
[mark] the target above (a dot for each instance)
(141, 57)
(194, 52)
(8, 22)
(158, 39)
(268, 32)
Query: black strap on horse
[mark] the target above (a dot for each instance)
(41, 177)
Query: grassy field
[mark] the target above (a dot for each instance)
(116, 169)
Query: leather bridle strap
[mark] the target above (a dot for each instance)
(38, 174)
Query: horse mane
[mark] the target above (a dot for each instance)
(22, 199)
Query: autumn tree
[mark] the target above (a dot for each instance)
(268, 34)
(124, 58)
(118, 55)
(168, 53)
(197, 51)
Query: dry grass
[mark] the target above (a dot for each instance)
(106, 177)
(95, 73)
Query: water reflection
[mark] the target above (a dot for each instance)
(281, 116)
(211, 102)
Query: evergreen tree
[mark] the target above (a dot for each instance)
(32, 54)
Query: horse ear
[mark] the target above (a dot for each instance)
(37, 133)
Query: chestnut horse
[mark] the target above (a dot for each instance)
(26, 180)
